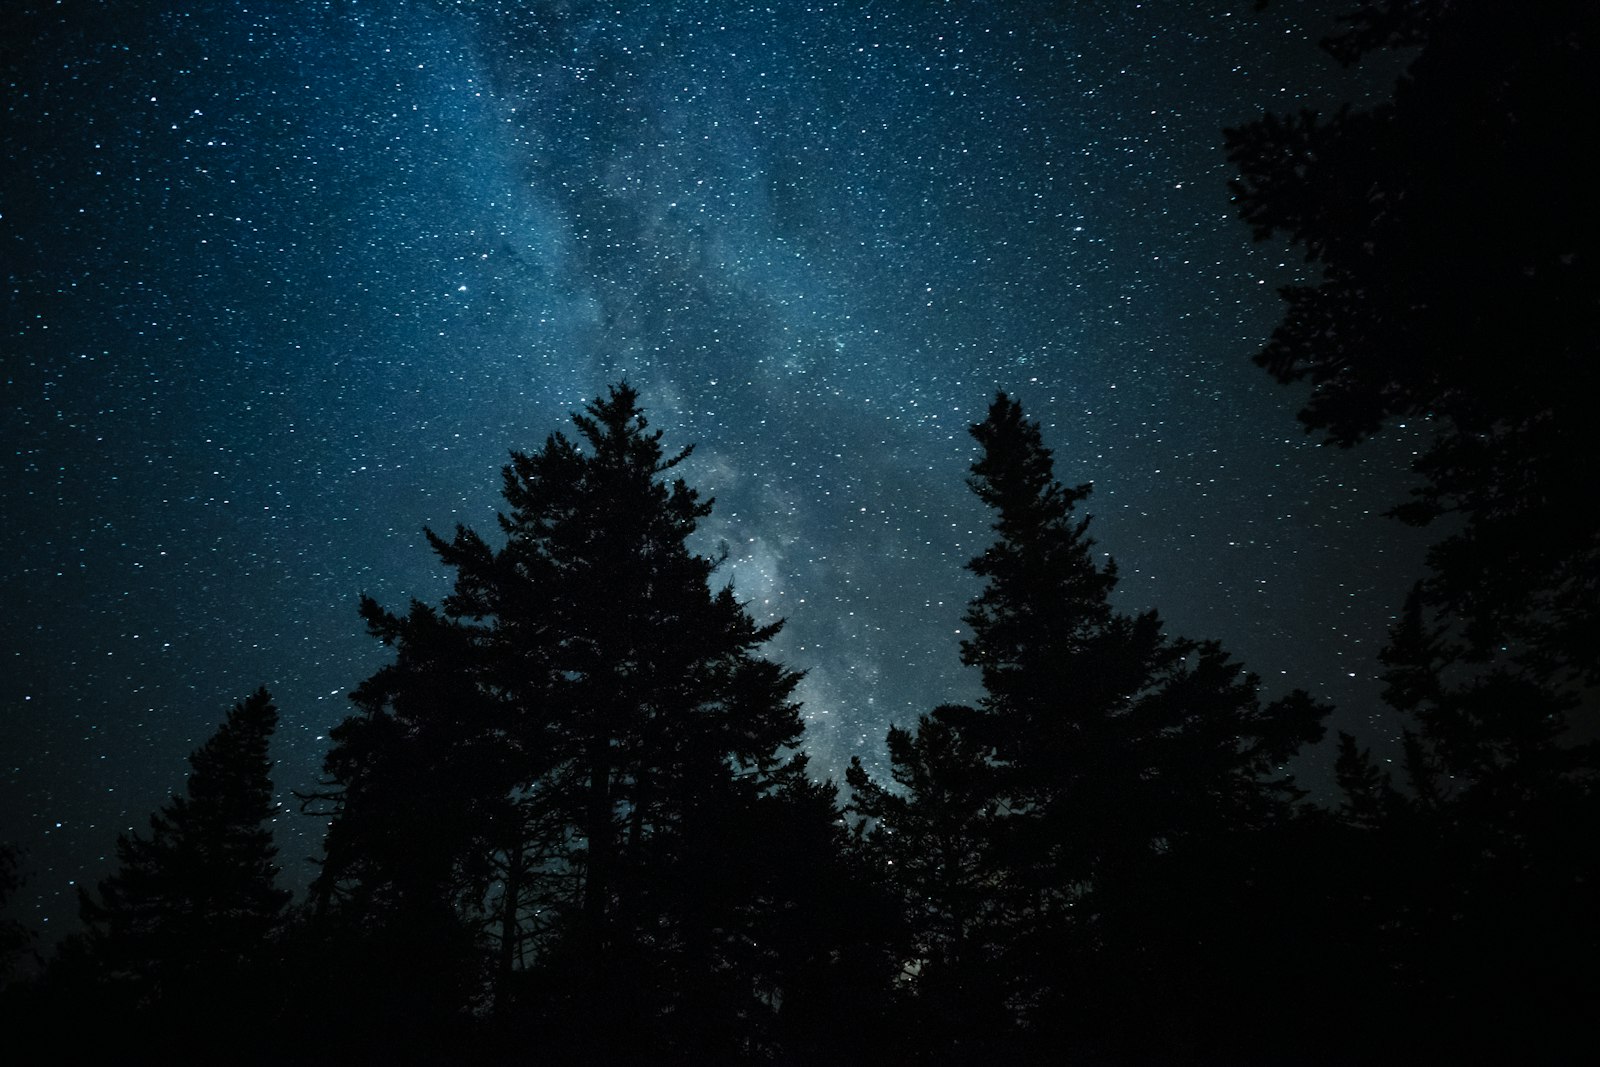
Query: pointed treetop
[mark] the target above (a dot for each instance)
(1015, 474)
(615, 427)
(1043, 559)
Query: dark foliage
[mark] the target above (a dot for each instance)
(195, 902)
(178, 955)
(570, 780)
(1474, 875)
(1113, 777)
(1455, 232)
(569, 825)
(570, 822)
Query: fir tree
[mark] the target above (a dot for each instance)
(934, 839)
(1113, 740)
(1479, 357)
(195, 903)
(563, 763)
(1114, 760)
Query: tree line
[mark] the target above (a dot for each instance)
(572, 820)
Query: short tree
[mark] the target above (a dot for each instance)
(195, 903)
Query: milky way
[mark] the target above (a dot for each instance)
(286, 281)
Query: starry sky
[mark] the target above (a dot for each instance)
(287, 280)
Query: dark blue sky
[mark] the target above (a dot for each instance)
(286, 281)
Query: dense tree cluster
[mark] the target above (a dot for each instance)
(1455, 239)
(568, 779)
(573, 820)
(1454, 232)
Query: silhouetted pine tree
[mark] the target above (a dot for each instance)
(934, 840)
(183, 928)
(1119, 763)
(15, 938)
(1454, 232)
(1480, 873)
(574, 763)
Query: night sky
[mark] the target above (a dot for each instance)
(286, 281)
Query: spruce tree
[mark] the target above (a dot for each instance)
(1120, 762)
(562, 763)
(933, 837)
(1480, 355)
(193, 905)
(1114, 740)
(934, 831)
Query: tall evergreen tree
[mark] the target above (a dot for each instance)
(564, 760)
(1117, 758)
(193, 905)
(1456, 245)
(1479, 862)
(1112, 736)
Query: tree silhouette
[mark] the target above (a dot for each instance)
(1483, 865)
(1456, 242)
(15, 938)
(192, 907)
(934, 840)
(573, 764)
(1456, 245)
(1104, 758)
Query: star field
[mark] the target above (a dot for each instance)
(286, 281)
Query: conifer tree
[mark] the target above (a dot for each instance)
(555, 744)
(194, 904)
(934, 831)
(1480, 356)
(1116, 757)
(1113, 738)
(934, 840)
